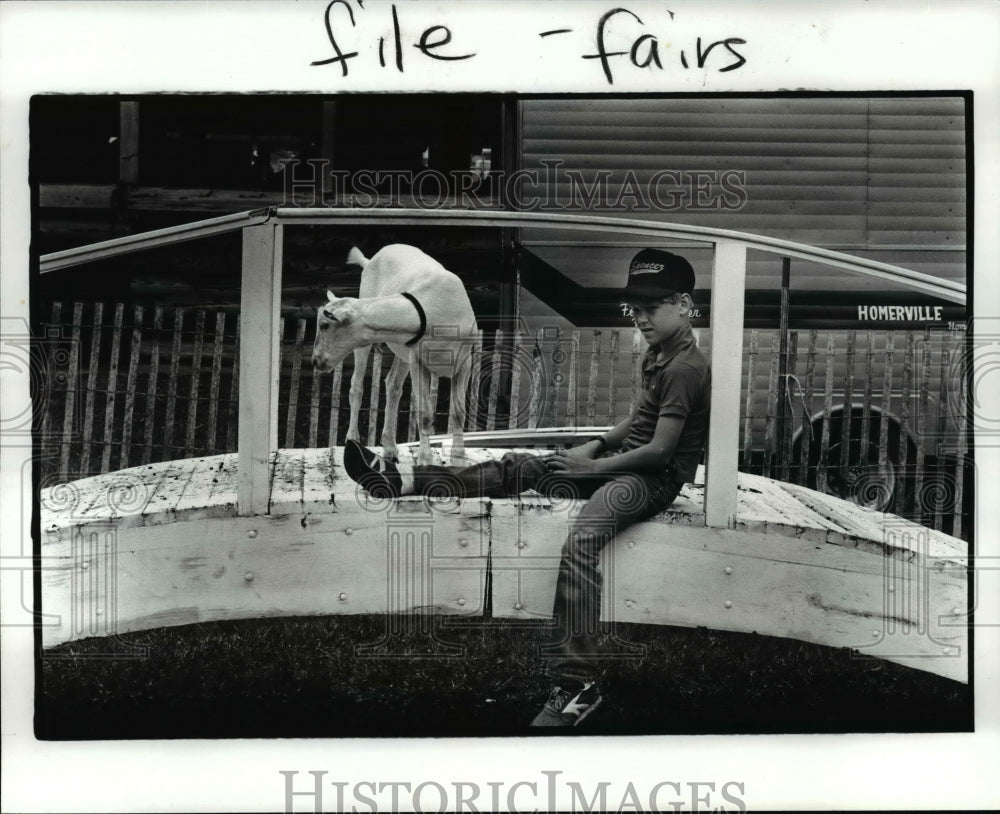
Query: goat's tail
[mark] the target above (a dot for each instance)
(356, 258)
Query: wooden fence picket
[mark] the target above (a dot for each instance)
(55, 326)
(866, 401)
(71, 388)
(515, 378)
(806, 392)
(924, 388)
(904, 406)
(193, 385)
(940, 514)
(373, 402)
(291, 422)
(636, 371)
(131, 381)
(93, 366)
(112, 392)
(234, 391)
(216, 381)
(475, 381)
(790, 408)
(771, 416)
(573, 385)
(558, 377)
(495, 377)
(595, 361)
(883, 432)
(538, 382)
(338, 374)
(612, 379)
(151, 384)
(824, 443)
(171, 406)
(314, 409)
(959, 492)
(748, 411)
(846, 421)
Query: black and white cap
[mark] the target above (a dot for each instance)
(658, 273)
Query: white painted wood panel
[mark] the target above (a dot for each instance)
(904, 607)
(800, 564)
(233, 568)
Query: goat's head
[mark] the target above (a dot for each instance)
(336, 332)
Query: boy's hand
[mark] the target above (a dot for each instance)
(575, 460)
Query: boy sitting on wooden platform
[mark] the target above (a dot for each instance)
(630, 474)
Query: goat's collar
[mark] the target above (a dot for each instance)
(423, 319)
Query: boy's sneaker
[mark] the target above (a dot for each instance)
(379, 477)
(568, 707)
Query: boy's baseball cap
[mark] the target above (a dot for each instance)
(658, 273)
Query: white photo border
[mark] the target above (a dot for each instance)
(267, 45)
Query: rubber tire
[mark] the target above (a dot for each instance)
(864, 482)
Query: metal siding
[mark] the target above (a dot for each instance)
(834, 172)
(591, 267)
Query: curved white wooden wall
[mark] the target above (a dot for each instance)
(159, 545)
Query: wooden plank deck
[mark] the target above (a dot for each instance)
(798, 564)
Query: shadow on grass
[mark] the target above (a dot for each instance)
(305, 677)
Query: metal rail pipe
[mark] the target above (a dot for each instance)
(153, 239)
(945, 289)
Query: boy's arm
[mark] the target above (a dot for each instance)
(613, 438)
(654, 455)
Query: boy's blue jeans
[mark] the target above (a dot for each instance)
(614, 501)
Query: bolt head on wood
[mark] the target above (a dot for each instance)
(727, 570)
(461, 602)
(84, 566)
(252, 534)
(348, 531)
(728, 603)
(248, 576)
(342, 597)
(518, 606)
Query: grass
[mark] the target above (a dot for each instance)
(304, 677)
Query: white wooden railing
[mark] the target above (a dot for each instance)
(260, 299)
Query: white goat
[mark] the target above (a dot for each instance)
(422, 312)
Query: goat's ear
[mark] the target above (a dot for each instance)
(331, 296)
